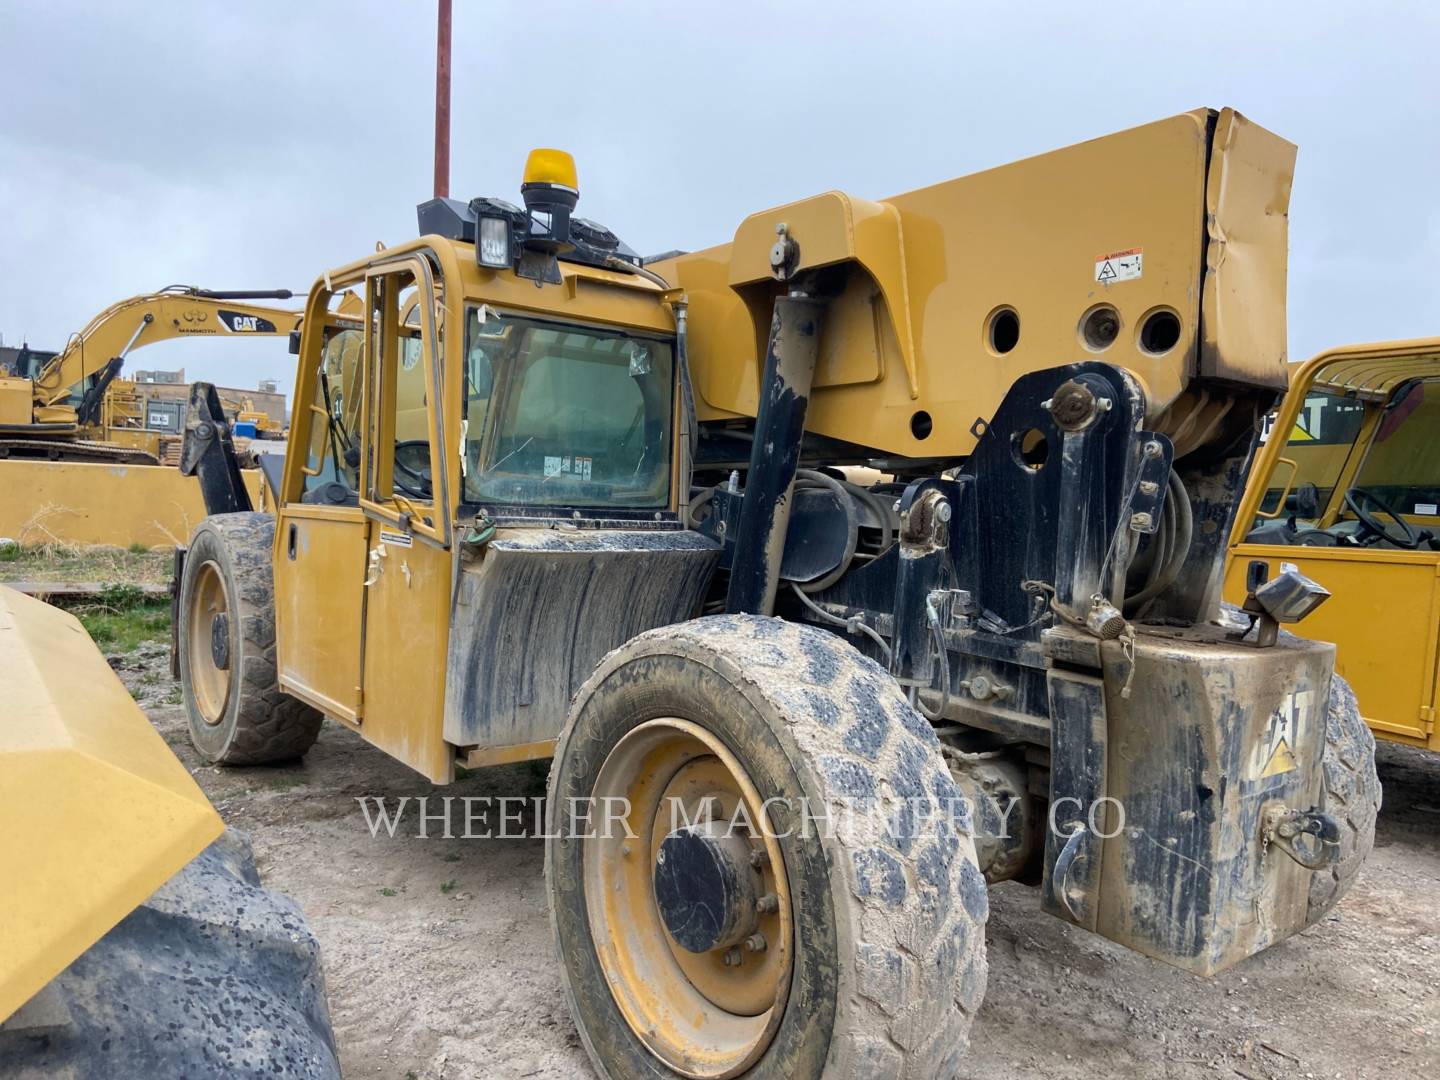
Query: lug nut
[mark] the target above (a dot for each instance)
(733, 957)
(759, 858)
(767, 903)
(755, 943)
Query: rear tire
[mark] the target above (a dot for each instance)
(1351, 795)
(887, 959)
(237, 713)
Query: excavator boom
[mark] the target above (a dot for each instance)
(163, 316)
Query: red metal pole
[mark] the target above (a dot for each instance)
(442, 102)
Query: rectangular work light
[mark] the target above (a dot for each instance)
(492, 246)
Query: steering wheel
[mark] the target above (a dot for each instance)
(1356, 498)
(412, 467)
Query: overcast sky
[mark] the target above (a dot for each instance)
(252, 145)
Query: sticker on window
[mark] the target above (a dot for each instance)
(1427, 509)
(564, 465)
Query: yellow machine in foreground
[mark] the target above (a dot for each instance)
(592, 506)
(1348, 488)
(98, 810)
(122, 891)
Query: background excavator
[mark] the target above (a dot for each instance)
(78, 408)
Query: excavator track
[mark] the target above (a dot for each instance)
(76, 450)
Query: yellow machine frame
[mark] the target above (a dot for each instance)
(99, 811)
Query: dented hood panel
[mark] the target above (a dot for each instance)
(1247, 217)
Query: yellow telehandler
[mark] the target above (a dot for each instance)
(603, 509)
(1347, 487)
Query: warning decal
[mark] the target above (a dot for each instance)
(1274, 754)
(1124, 265)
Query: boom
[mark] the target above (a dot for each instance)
(144, 320)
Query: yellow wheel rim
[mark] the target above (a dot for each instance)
(209, 682)
(709, 1013)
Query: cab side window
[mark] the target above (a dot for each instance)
(400, 468)
(332, 453)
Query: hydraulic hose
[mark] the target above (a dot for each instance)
(1169, 545)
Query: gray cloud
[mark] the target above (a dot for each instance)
(254, 145)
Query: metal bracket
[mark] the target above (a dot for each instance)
(1283, 827)
(1152, 483)
(1070, 895)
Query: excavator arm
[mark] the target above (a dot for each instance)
(101, 347)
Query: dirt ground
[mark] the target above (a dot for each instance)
(438, 959)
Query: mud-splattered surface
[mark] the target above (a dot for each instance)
(438, 959)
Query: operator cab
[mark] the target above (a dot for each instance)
(558, 416)
(1360, 466)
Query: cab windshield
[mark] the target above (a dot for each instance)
(1402, 463)
(1353, 456)
(563, 415)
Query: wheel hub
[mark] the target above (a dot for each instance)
(690, 899)
(220, 640)
(705, 887)
(207, 643)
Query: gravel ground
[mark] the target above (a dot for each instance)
(438, 958)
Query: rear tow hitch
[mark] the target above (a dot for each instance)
(1284, 827)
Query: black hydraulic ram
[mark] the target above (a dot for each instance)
(208, 453)
(779, 428)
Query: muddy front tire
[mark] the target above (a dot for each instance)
(856, 945)
(1351, 795)
(233, 702)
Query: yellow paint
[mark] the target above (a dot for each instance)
(14, 401)
(98, 812)
(407, 622)
(319, 605)
(484, 757)
(118, 330)
(1384, 611)
(923, 274)
(1282, 760)
(942, 260)
(84, 503)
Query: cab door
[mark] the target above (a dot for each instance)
(1384, 611)
(405, 502)
(1381, 615)
(320, 531)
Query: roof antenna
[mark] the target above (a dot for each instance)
(442, 101)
